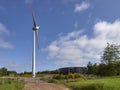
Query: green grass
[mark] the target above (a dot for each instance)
(10, 84)
(108, 83)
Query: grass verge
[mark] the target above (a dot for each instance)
(11, 84)
(108, 83)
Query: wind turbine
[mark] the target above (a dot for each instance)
(35, 39)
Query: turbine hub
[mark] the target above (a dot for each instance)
(35, 28)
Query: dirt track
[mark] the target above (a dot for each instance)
(36, 84)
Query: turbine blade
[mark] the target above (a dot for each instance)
(37, 39)
(33, 17)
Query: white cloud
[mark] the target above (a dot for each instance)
(26, 65)
(3, 29)
(3, 43)
(76, 48)
(76, 25)
(13, 65)
(81, 7)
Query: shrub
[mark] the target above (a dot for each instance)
(61, 76)
(69, 76)
(40, 75)
(26, 75)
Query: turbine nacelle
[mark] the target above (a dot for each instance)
(35, 28)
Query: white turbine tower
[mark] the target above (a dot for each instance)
(35, 38)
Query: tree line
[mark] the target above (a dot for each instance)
(110, 62)
(5, 72)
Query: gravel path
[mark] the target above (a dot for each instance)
(37, 84)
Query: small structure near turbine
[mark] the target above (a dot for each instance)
(68, 70)
(35, 39)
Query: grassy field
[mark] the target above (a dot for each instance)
(108, 83)
(11, 84)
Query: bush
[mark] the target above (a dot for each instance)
(26, 75)
(69, 76)
(61, 76)
(39, 75)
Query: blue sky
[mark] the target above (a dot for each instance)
(72, 32)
